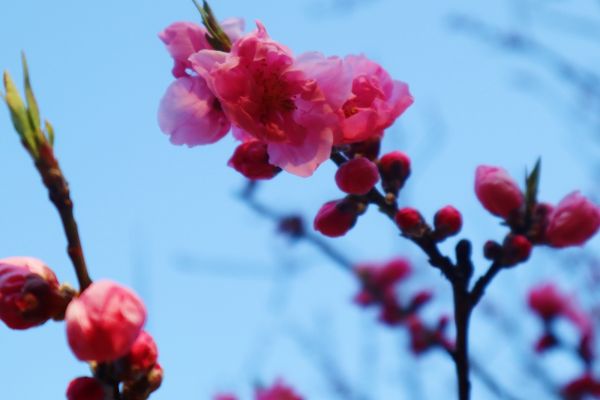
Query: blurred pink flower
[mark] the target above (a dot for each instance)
(279, 391)
(573, 221)
(104, 322)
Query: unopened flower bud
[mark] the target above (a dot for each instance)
(410, 221)
(447, 222)
(143, 353)
(336, 218)
(252, 160)
(155, 377)
(545, 342)
(492, 250)
(85, 388)
(357, 176)
(547, 301)
(29, 293)
(278, 391)
(104, 322)
(516, 249)
(420, 299)
(497, 191)
(573, 222)
(394, 168)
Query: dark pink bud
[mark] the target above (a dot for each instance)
(393, 272)
(357, 176)
(143, 354)
(421, 339)
(420, 299)
(497, 191)
(394, 168)
(252, 160)
(447, 222)
(517, 249)
(492, 250)
(546, 342)
(336, 218)
(547, 301)
(104, 322)
(391, 314)
(582, 387)
(573, 221)
(410, 221)
(29, 293)
(85, 388)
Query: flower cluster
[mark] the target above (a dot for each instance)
(570, 223)
(550, 304)
(278, 391)
(379, 288)
(103, 323)
(288, 111)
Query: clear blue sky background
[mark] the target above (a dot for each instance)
(166, 221)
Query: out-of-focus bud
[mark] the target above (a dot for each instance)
(573, 222)
(252, 160)
(547, 302)
(357, 176)
(336, 218)
(394, 168)
(447, 222)
(516, 249)
(420, 299)
(29, 293)
(143, 353)
(421, 339)
(411, 222)
(279, 391)
(225, 396)
(545, 342)
(104, 322)
(497, 191)
(582, 387)
(85, 388)
(492, 250)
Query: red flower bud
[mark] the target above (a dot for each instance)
(104, 322)
(357, 176)
(447, 222)
(517, 249)
(410, 221)
(573, 221)
(279, 391)
(252, 160)
(545, 342)
(143, 354)
(336, 218)
(581, 388)
(29, 293)
(492, 250)
(497, 191)
(85, 388)
(394, 168)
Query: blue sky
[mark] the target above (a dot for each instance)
(166, 220)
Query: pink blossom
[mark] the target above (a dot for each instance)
(368, 99)
(574, 221)
(497, 191)
(191, 114)
(357, 176)
(85, 388)
(104, 322)
(29, 292)
(279, 391)
(183, 39)
(264, 93)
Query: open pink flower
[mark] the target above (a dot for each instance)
(368, 99)
(573, 221)
(191, 114)
(183, 39)
(266, 94)
(104, 322)
(29, 292)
